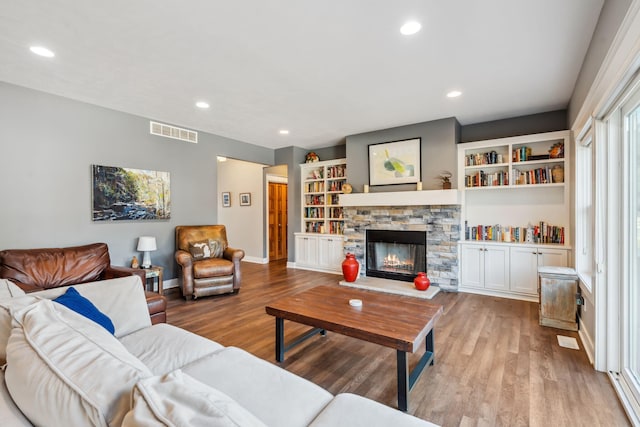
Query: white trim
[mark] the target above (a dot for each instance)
(620, 63)
(631, 407)
(256, 260)
(280, 180)
(277, 178)
(304, 267)
(587, 343)
(171, 283)
(501, 294)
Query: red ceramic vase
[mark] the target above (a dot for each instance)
(421, 282)
(350, 268)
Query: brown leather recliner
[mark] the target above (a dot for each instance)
(38, 269)
(214, 270)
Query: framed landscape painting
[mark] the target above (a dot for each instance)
(396, 162)
(124, 194)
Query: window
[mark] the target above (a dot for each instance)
(585, 208)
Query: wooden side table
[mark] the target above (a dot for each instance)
(153, 276)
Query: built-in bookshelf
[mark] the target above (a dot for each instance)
(322, 183)
(515, 163)
(516, 213)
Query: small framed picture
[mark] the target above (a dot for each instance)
(226, 199)
(245, 199)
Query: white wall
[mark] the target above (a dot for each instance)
(245, 224)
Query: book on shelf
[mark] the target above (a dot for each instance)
(542, 175)
(489, 158)
(337, 171)
(542, 233)
(483, 179)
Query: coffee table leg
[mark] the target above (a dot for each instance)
(430, 348)
(403, 380)
(279, 339)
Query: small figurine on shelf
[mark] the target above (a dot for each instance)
(445, 178)
(557, 150)
(311, 157)
(134, 262)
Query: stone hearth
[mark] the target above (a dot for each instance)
(442, 224)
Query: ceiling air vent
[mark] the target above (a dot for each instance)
(167, 131)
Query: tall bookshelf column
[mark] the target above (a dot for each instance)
(517, 202)
(321, 216)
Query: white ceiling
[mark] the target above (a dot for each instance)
(321, 69)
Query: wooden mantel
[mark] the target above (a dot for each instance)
(403, 198)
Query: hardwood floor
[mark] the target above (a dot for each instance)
(495, 366)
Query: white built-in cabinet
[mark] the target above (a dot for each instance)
(486, 266)
(320, 244)
(511, 186)
(525, 262)
(321, 252)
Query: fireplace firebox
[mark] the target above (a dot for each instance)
(395, 254)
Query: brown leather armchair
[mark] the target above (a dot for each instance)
(208, 266)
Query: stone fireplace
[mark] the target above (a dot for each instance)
(440, 222)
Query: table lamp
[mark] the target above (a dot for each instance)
(146, 244)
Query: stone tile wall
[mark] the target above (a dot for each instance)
(442, 224)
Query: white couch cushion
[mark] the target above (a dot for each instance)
(8, 289)
(164, 348)
(65, 370)
(7, 307)
(350, 410)
(176, 399)
(121, 299)
(275, 396)
(9, 412)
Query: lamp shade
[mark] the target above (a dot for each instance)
(147, 243)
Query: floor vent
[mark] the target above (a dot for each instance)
(167, 131)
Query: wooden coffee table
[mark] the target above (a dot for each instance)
(399, 322)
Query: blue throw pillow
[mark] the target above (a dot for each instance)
(76, 302)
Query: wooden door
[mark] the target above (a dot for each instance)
(277, 221)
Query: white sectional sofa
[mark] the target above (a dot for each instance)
(63, 369)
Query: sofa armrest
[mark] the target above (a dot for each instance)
(157, 305)
(234, 255)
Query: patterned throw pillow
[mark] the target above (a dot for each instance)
(217, 248)
(200, 249)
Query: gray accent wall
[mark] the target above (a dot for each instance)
(47, 146)
(438, 153)
(611, 17)
(523, 125)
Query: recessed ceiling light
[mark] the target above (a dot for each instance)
(454, 94)
(410, 27)
(42, 51)
(202, 104)
(284, 132)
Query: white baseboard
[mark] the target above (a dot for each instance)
(587, 342)
(487, 292)
(171, 283)
(304, 267)
(256, 260)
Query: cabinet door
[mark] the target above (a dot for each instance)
(496, 267)
(330, 253)
(524, 270)
(306, 250)
(549, 257)
(472, 268)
